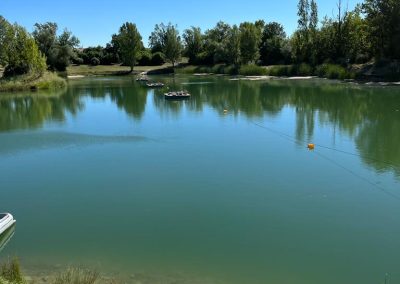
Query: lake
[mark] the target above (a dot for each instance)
(220, 188)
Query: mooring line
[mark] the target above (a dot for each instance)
(295, 140)
(323, 146)
(382, 189)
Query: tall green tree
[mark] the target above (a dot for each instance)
(249, 43)
(6, 34)
(301, 40)
(166, 38)
(45, 36)
(313, 31)
(59, 50)
(20, 54)
(130, 44)
(173, 45)
(232, 46)
(214, 43)
(157, 38)
(272, 41)
(383, 20)
(193, 40)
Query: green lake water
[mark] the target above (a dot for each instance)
(220, 188)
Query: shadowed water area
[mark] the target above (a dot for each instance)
(220, 188)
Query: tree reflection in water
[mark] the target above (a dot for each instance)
(368, 115)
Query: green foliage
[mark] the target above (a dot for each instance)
(94, 61)
(193, 41)
(214, 44)
(232, 46)
(76, 276)
(304, 70)
(383, 21)
(6, 37)
(21, 54)
(252, 70)
(272, 42)
(11, 271)
(157, 38)
(59, 50)
(157, 58)
(47, 81)
(280, 70)
(145, 58)
(250, 38)
(165, 38)
(45, 36)
(216, 69)
(332, 71)
(130, 44)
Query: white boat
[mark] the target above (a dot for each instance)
(6, 236)
(6, 221)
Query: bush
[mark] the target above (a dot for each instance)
(333, 71)
(145, 58)
(11, 271)
(78, 61)
(361, 58)
(108, 59)
(304, 70)
(94, 61)
(287, 70)
(252, 70)
(48, 80)
(157, 59)
(76, 276)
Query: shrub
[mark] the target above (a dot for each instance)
(304, 70)
(285, 70)
(11, 271)
(145, 58)
(252, 70)
(94, 61)
(78, 61)
(48, 80)
(361, 58)
(76, 276)
(108, 59)
(333, 71)
(158, 58)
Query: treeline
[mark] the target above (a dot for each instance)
(371, 31)
(24, 53)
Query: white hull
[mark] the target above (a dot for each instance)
(6, 221)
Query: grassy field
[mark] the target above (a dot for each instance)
(88, 70)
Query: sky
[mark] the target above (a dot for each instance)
(94, 21)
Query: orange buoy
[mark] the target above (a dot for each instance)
(311, 146)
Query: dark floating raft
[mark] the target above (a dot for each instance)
(181, 95)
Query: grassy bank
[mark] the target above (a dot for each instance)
(47, 81)
(366, 72)
(10, 273)
(116, 69)
(330, 71)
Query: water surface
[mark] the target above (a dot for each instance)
(217, 189)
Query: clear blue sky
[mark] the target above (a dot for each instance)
(94, 21)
